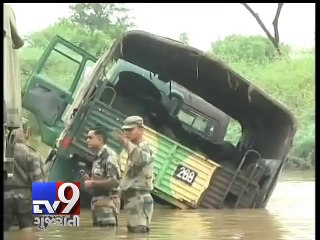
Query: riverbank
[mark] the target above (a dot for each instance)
(307, 162)
(297, 175)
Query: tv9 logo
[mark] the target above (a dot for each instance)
(56, 198)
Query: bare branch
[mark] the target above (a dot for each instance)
(275, 23)
(274, 40)
(256, 16)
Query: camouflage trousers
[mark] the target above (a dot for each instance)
(138, 207)
(104, 210)
(17, 207)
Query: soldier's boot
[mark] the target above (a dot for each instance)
(138, 229)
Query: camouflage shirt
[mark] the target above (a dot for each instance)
(139, 170)
(28, 168)
(106, 166)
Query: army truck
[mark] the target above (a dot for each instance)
(12, 112)
(186, 99)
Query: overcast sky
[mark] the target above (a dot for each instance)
(203, 22)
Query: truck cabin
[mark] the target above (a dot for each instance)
(267, 127)
(168, 108)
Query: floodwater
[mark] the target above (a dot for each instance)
(290, 214)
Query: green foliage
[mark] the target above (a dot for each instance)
(184, 38)
(110, 18)
(94, 43)
(60, 70)
(251, 50)
(290, 79)
(233, 132)
(28, 59)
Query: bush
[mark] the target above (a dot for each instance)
(289, 79)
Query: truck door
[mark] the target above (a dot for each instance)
(52, 85)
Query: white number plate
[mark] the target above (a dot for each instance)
(184, 174)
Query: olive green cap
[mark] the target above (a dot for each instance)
(132, 122)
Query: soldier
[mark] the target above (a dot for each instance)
(137, 182)
(104, 180)
(28, 168)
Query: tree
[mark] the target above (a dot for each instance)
(249, 49)
(95, 43)
(184, 38)
(274, 39)
(110, 18)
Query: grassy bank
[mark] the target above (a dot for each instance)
(291, 81)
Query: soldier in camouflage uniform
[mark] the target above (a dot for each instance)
(104, 180)
(28, 168)
(137, 181)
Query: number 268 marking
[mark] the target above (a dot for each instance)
(185, 174)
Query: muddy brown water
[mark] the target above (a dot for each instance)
(290, 215)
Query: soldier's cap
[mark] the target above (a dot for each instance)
(132, 122)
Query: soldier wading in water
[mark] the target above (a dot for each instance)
(137, 181)
(104, 180)
(28, 168)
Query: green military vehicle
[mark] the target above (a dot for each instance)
(186, 99)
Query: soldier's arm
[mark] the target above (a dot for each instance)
(37, 172)
(139, 157)
(113, 174)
